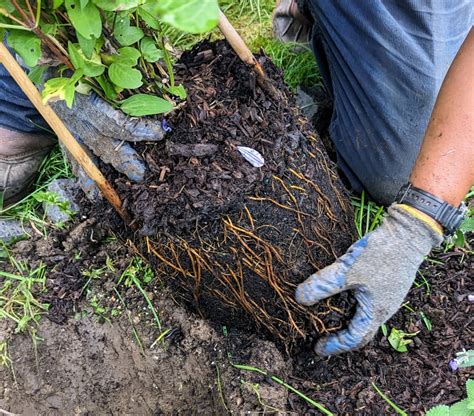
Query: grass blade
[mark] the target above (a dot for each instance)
(277, 380)
(392, 404)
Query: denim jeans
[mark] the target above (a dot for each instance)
(16, 111)
(383, 62)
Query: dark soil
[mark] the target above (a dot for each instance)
(87, 365)
(231, 239)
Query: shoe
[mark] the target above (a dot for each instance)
(20, 157)
(289, 24)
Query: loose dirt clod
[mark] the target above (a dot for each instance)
(231, 239)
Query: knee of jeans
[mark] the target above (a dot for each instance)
(384, 191)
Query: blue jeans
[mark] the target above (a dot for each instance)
(383, 62)
(16, 111)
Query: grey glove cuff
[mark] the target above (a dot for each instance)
(427, 237)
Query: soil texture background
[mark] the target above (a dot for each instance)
(87, 365)
(233, 240)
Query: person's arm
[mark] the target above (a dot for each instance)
(381, 267)
(445, 165)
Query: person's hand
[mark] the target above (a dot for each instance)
(106, 132)
(380, 268)
(289, 24)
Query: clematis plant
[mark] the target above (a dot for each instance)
(116, 48)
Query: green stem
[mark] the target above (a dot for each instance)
(148, 301)
(166, 58)
(38, 12)
(277, 380)
(392, 404)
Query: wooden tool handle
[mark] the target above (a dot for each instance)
(238, 44)
(246, 55)
(66, 138)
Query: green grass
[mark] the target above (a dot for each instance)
(367, 214)
(392, 404)
(29, 210)
(18, 302)
(139, 274)
(279, 381)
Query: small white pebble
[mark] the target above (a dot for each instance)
(470, 298)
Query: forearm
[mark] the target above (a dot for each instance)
(445, 165)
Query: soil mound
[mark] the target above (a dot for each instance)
(232, 239)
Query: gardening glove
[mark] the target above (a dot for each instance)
(290, 24)
(106, 131)
(380, 268)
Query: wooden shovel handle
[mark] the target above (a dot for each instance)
(66, 138)
(246, 55)
(238, 44)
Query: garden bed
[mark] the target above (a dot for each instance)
(102, 351)
(89, 360)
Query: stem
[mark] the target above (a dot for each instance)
(167, 59)
(10, 16)
(22, 13)
(30, 9)
(38, 12)
(31, 24)
(7, 26)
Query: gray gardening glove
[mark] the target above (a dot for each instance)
(380, 268)
(290, 24)
(106, 132)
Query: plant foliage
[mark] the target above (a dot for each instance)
(462, 408)
(116, 48)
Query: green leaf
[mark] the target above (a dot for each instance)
(470, 390)
(191, 16)
(458, 239)
(147, 13)
(49, 28)
(107, 87)
(92, 67)
(125, 34)
(7, 5)
(127, 56)
(441, 410)
(59, 89)
(178, 91)
(467, 225)
(87, 45)
(116, 5)
(399, 339)
(124, 76)
(461, 409)
(83, 3)
(83, 88)
(57, 4)
(86, 21)
(36, 74)
(149, 50)
(26, 44)
(144, 105)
